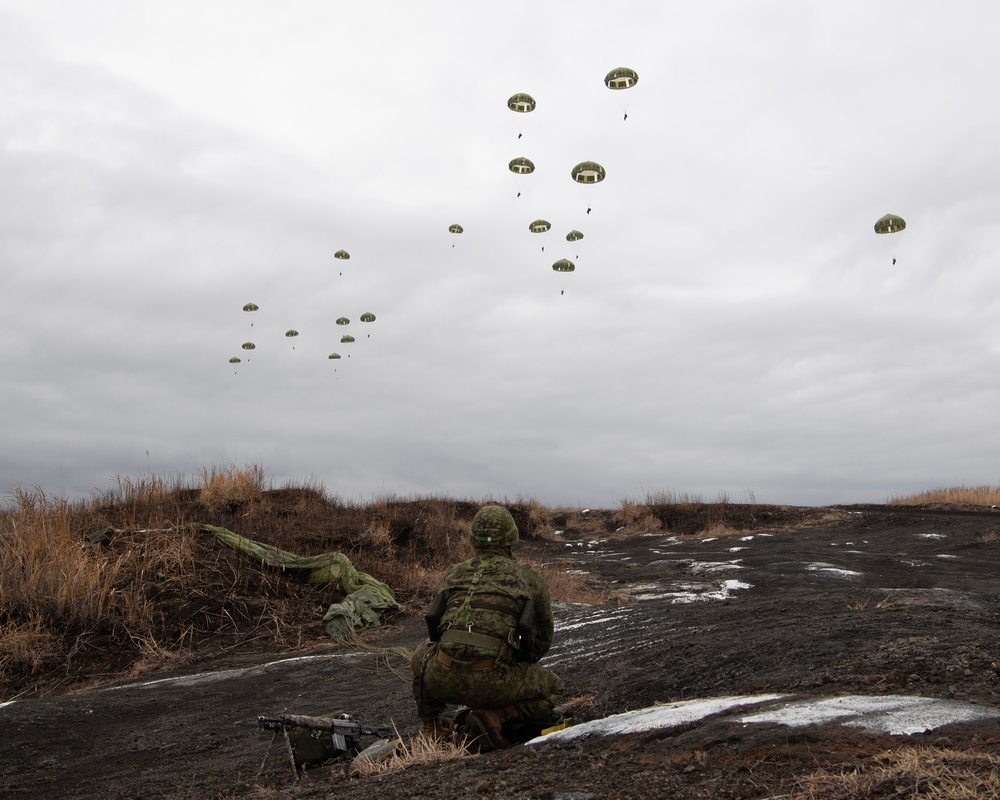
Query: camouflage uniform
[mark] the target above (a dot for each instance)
(478, 659)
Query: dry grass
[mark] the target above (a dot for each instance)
(972, 495)
(121, 583)
(233, 487)
(926, 772)
(417, 751)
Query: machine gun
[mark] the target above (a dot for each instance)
(313, 741)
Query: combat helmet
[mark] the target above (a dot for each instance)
(493, 526)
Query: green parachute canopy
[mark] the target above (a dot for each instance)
(564, 265)
(343, 321)
(334, 355)
(456, 228)
(342, 254)
(234, 360)
(346, 339)
(588, 172)
(368, 316)
(890, 223)
(366, 599)
(521, 166)
(621, 78)
(251, 307)
(539, 226)
(521, 103)
(248, 345)
(574, 236)
(291, 332)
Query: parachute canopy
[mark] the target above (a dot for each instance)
(539, 226)
(234, 360)
(250, 307)
(366, 599)
(521, 103)
(342, 254)
(574, 236)
(368, 316)
(456, 228)
(248, 345)
(346, 339)
(890, 223)
(343, 321)
(521, 166)
(564, 265)
(291, 332)
(588, 172)
(621, 78)
(334, 355)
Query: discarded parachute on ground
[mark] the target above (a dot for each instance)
(366, 598)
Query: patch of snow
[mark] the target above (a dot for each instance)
(829, 569)
(891, 714)
(931, 536)
(700, 567)
(736, 549)
(723, 593)
(669, 715)
(946, 555)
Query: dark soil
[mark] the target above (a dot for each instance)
(853, 600)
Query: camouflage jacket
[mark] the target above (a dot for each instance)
(486, 595)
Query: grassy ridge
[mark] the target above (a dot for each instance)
(153, 592)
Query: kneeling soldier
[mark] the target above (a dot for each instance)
(489, 624)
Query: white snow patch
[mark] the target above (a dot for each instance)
(829, 569)
(723, 593)
(700, 567)
(668, 715)
(931, 536)
(892, 714)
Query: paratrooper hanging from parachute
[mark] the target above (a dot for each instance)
(622, 78)
(891, 224)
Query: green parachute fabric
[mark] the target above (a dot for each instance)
(539, 226)
(521, 102)
(588, 172)
(521, 166)
(621, 78)
(456, 228)
(366, 598)
(368, 316)
(890, 223)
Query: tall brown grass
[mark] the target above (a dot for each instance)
(909, 771)
(972, 495)
(121, 582)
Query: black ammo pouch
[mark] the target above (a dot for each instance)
(434, 614)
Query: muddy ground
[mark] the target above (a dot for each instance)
(859, 600)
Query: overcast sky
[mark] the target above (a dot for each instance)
(734, 324)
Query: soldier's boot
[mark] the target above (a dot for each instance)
(431, 727)
(485, 727)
